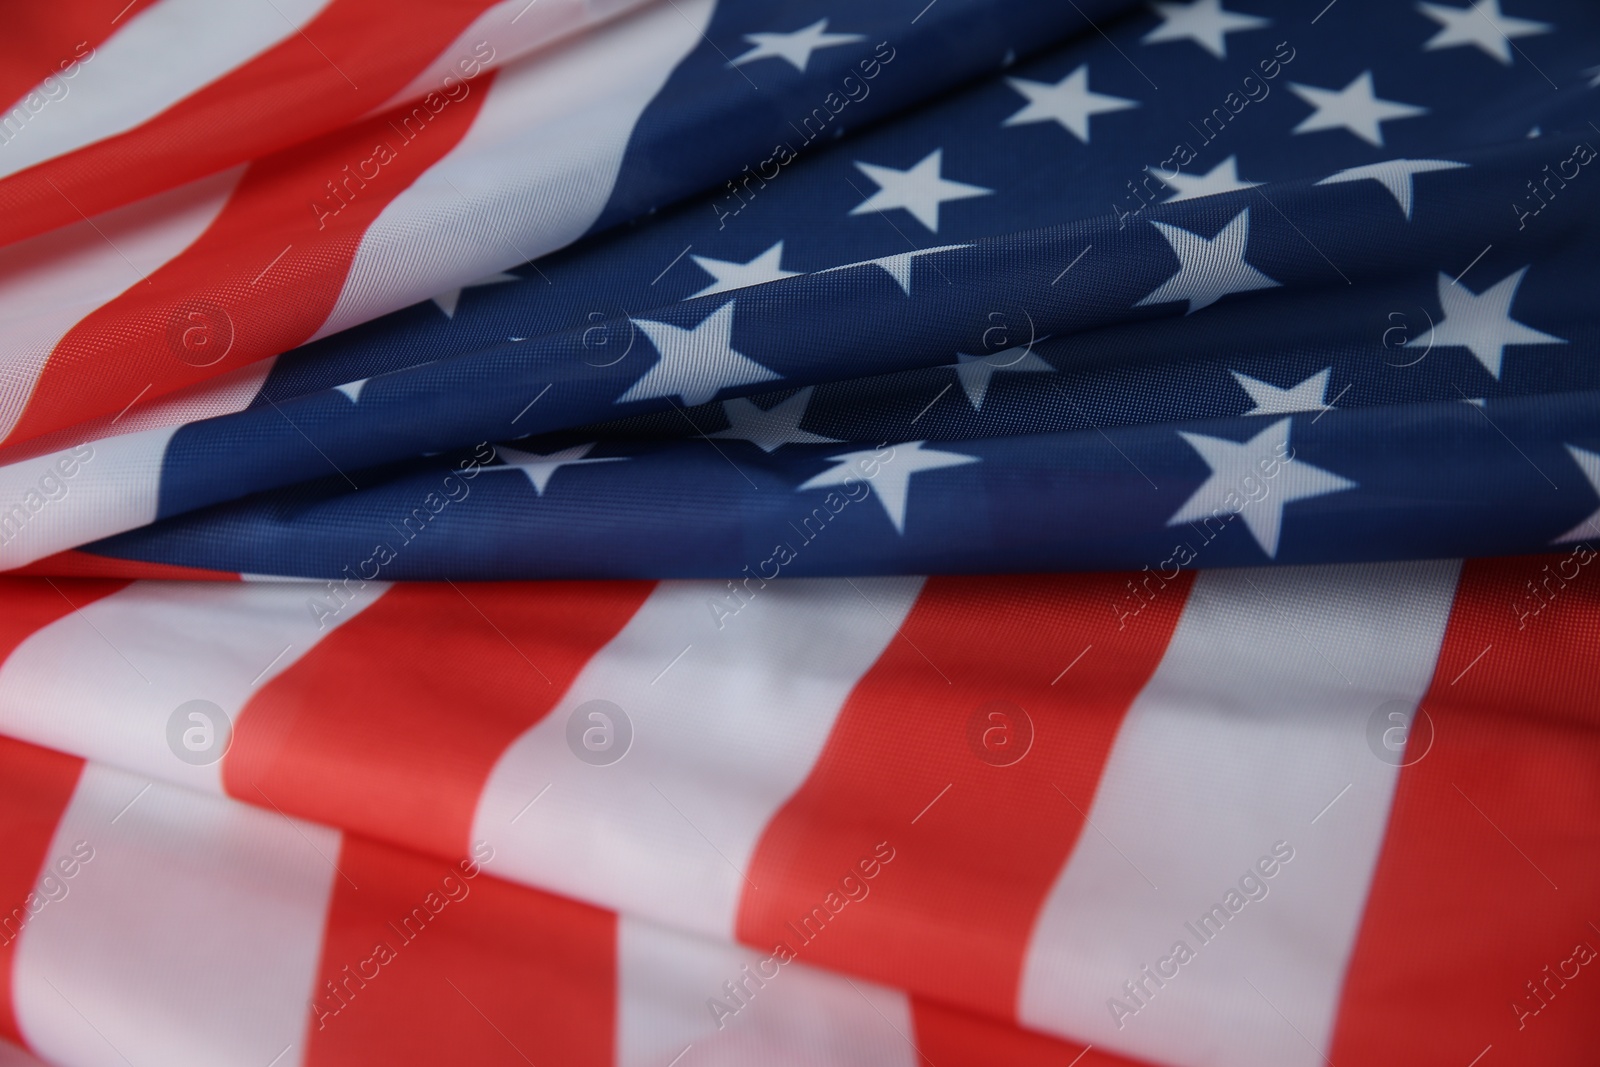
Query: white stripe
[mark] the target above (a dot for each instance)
(531, 175)
(726, 726)
(103, 681)
(79, 494)
(118, 487)
(1254, 721)
(510, 29)
(797, 1017)
(190, 937)
(159, 56)
(49, 283)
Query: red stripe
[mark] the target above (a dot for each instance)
(904, 741)
(31, 604)
(1502, 810)
(35, 786)
(219, 294)
(44, 39)
(74, 563)
(424, 686)
(946, 1037)
(472, 970)
(352, 57)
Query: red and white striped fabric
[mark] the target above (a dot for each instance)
(271, 75)
(194, 263)
(156, 925)
(1205, 772)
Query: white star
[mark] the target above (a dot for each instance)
(1239, 471)
(448, 299)
(1270, 400)
(1482, 322)
(1222, 178)
(1593, 74)
(730, 275)
(795, 47)
(1396, 175)
(695, 364)
(892, 480)
(975, 372)
(919, 190)
(770, 430)
(353, 389)
(1208, 269)
(1068, 101)
(1354, 108)
(540, 468)
(1204, 22)
(1589, 464)
(898, 266)
(1479, 24)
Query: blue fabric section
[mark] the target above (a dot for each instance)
(1370, 340)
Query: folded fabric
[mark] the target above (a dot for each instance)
(1026, 498)
(1132, 298)
(153, 924)
(355, 219)
(177, 93)
(1380, 483)
(1248, 816)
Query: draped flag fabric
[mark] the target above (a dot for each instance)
(720, 532)
(1133, 276)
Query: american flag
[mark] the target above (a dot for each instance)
(704, 532)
